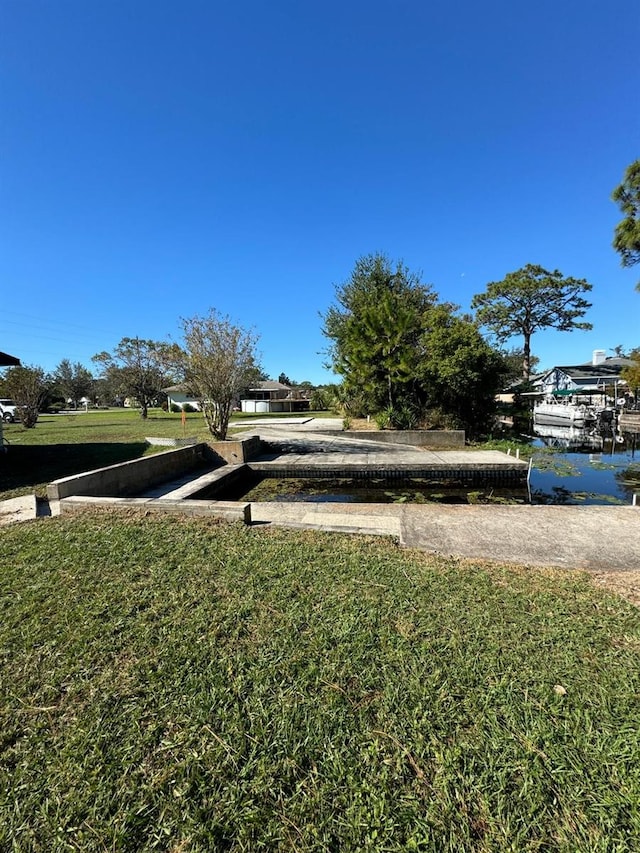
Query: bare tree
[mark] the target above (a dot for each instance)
(140, 368)
(219, 360)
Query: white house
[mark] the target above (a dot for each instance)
(179, 395)
(591, 378)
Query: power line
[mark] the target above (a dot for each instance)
(31, 317)
(38, 325)
(67, 334)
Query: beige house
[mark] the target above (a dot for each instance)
(272, 396)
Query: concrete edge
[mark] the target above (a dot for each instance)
(333, 528)
(228, 510)
(218, 478)
(432, 439)
(124, 478)
(23, 508)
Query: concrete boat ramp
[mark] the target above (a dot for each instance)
(597, 538)
(600, 538)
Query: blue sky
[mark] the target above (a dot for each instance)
(161, 158)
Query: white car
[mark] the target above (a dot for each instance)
(8, 410)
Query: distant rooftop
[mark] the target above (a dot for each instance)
(7, 360)
(608, 367)
(270, 385)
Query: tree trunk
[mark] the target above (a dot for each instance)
(526, 362)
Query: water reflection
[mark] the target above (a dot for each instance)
(569, 437)
(588, 465)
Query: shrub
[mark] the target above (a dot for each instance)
(404, 416)
(437, 418)
(27, 415)
(175, 408)
(383, 419)
(320, 400)
(351, 403)
(187, 407)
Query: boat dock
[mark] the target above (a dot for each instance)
(317, 454)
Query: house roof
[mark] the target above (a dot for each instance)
(180, 389)
(610, 368)
(594, 371)
(270, 385)
(7, 360)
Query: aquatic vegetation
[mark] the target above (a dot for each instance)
(550, 459)
(630, 476)
(580, 497)
(602, 466)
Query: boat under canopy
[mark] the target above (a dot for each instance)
(579, 392)
(552, 411)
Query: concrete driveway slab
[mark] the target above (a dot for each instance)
(18, 509)
(576, 537)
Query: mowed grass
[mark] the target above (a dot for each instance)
(185, 685)
(61, 445)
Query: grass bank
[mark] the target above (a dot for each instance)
(61, 445)
(186, 685)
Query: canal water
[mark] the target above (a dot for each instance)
(411, 490)
(569, 466)
(579, 466)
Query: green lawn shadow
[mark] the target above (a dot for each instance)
(29, 465)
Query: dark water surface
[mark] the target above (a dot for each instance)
(580, 467)
(570, 466)
(352, 491)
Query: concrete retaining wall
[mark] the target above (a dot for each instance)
(129, 478)
(236, 452)
(227, 510)
(218, 482)
(211, 483)
(441, 438)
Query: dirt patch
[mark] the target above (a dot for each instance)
(362, 424)
(626, 584)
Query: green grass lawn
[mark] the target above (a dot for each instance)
(61, 445)
(186, 685)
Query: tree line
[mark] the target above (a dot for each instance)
(404, 356)
(216, 361)
(409, 359)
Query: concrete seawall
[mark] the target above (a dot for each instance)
(140, 475)
(465, 473)
(129, 478)
(432, 438)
